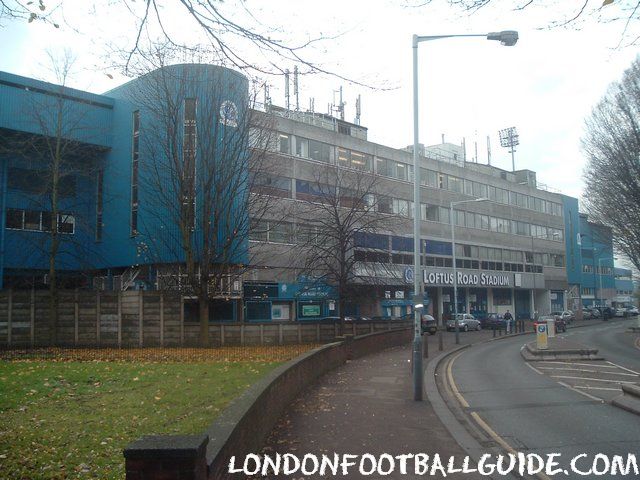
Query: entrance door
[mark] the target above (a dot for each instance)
(522, 307)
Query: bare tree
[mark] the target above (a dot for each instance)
(59, 165)
(201, 149)
(235, 36)
(557, 14)
(612, 145)
(341, 207)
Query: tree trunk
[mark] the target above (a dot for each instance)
(203, 310)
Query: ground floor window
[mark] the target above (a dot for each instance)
(501, 296)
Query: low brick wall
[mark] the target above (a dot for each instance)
(244, 426)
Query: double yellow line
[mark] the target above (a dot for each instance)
(478, 419)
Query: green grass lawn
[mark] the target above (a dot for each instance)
(71, 419)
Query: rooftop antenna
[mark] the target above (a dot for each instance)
(340, 108)
(312, 105)
(488, 150)
(286, 88)
(267, 97)
(358, 110)
(295, 87)
(464, 149)
(442, 138)
(509, 138)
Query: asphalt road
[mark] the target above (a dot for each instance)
(533, 413)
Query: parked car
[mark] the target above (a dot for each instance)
(607, 312)
(429, 324)
(560, 323)
(595, 313)
(466, 322)
(620, 312)
(587, 314)
(493, 320)
(632, 311)
(566, 315)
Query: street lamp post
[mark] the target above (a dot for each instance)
(455, 273)
(507, 38)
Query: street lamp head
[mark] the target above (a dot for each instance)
(481, 199)
(508, 38)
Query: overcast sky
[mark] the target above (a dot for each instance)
(544, 86)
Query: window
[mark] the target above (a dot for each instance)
(312, 191)
(280, 232)
(428, 178)
(351, 159)
(306, 235)
(135, 154)
(272, 185)
(456, 184)
(258, 230)
(587, 291)
(385, 204)
(66, 223)
(15, 219)
(401, 207)
(382, 167)
(284, 143)
(587, 268)
(313, 149)
(444, 215)
(442, 181)
(501, 296)
(430, 212)
(31, 220)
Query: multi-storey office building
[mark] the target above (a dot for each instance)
(597, 285)
(512, 249)
(624, 287)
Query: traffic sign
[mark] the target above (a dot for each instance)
(541, 336)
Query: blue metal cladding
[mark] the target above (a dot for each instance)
(104, 124)
(572, 239)
(221, 156)
(31, 106)
(624, 285)
(597, 252)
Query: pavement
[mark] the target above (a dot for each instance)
(366, 406)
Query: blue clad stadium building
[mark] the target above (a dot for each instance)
(114, 232)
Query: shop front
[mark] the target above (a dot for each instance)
(272, 301)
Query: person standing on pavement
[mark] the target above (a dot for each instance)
(508, 318)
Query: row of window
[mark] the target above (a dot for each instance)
(429, 261)
(313, 191)
(436, 247)
(315, 150)
(38, 221)
(388, 249)
(598, 270)
(624, 292)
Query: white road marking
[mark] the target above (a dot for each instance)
(582, 364)
(590, 379)
(534, 368)
(623, 368)
(581, 393)
(598, 388)
(589, 371)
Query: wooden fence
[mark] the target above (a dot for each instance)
(145, 319)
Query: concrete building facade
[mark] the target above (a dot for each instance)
(523, 249)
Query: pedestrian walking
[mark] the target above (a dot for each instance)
(508, 318)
